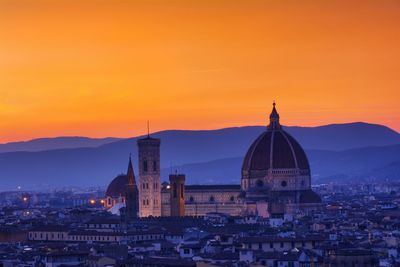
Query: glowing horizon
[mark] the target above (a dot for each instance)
(104, 68)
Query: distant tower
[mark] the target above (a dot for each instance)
(149, 177)
(131, 196)
(177, 198)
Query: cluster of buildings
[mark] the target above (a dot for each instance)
(276, 180)
(354, 228)
(272, 218)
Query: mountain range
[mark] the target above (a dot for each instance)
(335, 152)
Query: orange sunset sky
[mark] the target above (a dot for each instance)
(103, 68)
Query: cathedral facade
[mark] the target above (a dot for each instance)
(275, 180)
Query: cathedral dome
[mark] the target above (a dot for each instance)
(275, 149)
(117, 187)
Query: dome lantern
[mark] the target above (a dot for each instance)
(274, 119)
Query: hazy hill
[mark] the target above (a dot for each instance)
(345, 136)
(213, 151)
(41, 144)
(329, 137)
(370, 163)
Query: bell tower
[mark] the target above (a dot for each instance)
(149, 177)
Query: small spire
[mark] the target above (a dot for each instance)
(130, 174)
(148, 129)
(274, 119)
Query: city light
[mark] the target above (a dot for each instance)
(92, 201)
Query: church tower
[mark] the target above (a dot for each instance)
(177, 194)
(149, 177)
(131, 196)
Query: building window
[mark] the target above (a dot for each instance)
(182, 190)
(144, 202)
(302, 183)
(175, 190)
(154, 166)
(212, 199)
(283, 183)
(259, 183)
(191, 199)
(145, 166)
(232, 199)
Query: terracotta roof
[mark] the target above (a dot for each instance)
(275, 149)
(117, 187)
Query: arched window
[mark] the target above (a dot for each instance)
(145, 166)
(154, 166)
(232, 199)
(212, 199)
(283, 183)
(259, 183)
(191, 199)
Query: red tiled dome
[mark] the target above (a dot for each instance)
(275, 149)
(117, 187)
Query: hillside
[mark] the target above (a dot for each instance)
(206, 156)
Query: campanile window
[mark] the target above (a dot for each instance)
(175, 190)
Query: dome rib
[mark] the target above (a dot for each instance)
(291, 147)
(271, 150)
